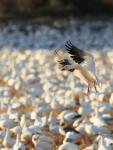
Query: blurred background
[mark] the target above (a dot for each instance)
(32, 24)
(50, 8)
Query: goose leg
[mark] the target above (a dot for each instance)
(95, 87)
(88, 89)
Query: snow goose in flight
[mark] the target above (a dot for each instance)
(82, 63)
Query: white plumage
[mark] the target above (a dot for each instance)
(82, 63)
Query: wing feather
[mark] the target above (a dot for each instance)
(76, 54)
(65, 62)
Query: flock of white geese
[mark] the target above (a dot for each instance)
(43, 105)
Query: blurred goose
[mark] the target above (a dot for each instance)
(45, 138)
(53, 123)
(107, 118)
(82, 62)
(90, 128)
(102, 144)
(71, 137)
(68, 146)
(67, 118)
(8, 123)
(97, 119)
(8, 141)
(64, 128)
(56, 105)
(42, 142)
(18, 145)
(91, 147)
(109, 141)
(27, 133)
(2, 135)
(69, 115)
(100, 123)
(85, 109)
(72, 116)
(35, 142)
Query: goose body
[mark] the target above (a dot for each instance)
(82, 63)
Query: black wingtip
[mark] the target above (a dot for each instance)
(69, 45)
(76, 54)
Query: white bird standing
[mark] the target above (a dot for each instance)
(82, 63)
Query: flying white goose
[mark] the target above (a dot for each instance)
(82, 63)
